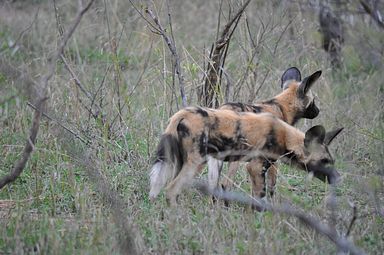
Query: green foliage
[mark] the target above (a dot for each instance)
(55, 206)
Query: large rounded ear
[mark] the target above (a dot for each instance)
(314, 134)
(292, 73)
(329, 136)
(307, 83)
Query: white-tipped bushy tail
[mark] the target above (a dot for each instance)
(158, 179)
(168, 163)
(160, 173)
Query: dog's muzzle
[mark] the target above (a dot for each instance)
(311, 111)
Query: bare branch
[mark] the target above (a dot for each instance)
(75, 78)
(217, 57)
(354, 217)
(144, 69)
(14, 44)
(375, 14)
(81, 87)
(41, 102)
(172, 47)
(100, 106)
(273, 54)
(28, 148)
(76, 135)
(155, 29)
(61, 125)
(59, 25)
(341, 242)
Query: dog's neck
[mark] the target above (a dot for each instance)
(286, 101)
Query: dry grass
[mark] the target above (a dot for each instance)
(55, 207)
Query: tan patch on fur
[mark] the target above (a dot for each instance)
(288, 101)
(196, 129)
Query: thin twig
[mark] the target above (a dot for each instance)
(262, 83)
(86, 93)
(60, 29)
(60, 124)
(75, 78)
(175, 56)
(250, 64)
(113, 43)
(364, 131)
(354, 217)
(375, 14)
(77, 136)
(13, 45)
(28, 148)
(59, 25)
(274, 53)
(144, 69)
(217, 58)
(100, 111)
(155, 29)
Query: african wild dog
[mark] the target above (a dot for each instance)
(293, 103)
(194, 134)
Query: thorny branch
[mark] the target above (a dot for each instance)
(41, 102)
(341, 242)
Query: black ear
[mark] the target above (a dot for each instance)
(311, 111)
(316, 133)
(292, 73)
(307, 83)
(329, 136)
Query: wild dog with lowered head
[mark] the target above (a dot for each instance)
(194, 134)
(293, 103)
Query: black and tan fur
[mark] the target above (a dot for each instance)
(194, 134)
(293, 103)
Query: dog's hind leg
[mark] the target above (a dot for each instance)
(272, 174)
(255, 170)
(214, 170)
(232, 169)
(183, 179)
